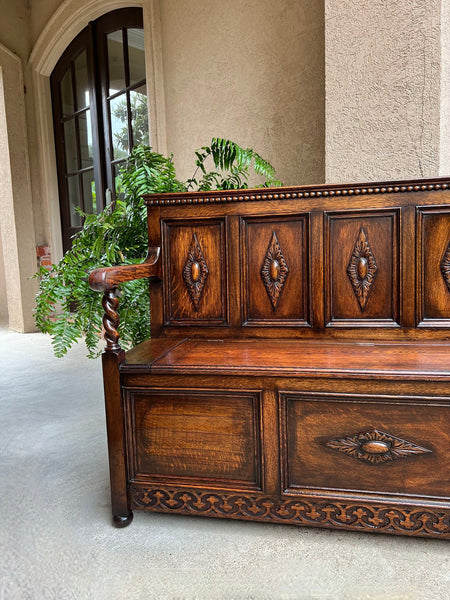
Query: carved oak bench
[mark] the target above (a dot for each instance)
(298, 368)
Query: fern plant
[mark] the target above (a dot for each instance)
(232, 165)
(66, 308)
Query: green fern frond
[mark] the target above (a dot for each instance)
(66, 308)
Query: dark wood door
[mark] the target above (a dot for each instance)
(99, 112)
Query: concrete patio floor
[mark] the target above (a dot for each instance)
(57, 543)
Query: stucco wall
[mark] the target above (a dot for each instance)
(4, 320)
(41, 13)
(251, 71)
(444, 165)
(17, 253)
(382, 89)
(14, 29)
(16, 212)
(15, 35)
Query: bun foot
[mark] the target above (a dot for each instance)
(120, 521)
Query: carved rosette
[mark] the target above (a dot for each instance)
(274, 271)
(362, 269)
(359, 516)
(375, 447)
(195, 272)
(445, 266)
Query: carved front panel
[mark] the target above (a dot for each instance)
(362, 259)
(391, 445)
(433, 298)
(274, 265)
(206, 436)
(195, 272)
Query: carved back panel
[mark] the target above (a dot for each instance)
(433, 273)
(195, 272)
(274, 270)
(360, 261)
(362, 255)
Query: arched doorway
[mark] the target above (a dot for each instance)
(99, 99)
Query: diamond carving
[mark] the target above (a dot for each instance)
(274, 271)
(195, 272)
(362, 269)
(376, 447)
(445, 266)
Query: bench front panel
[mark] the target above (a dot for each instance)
(198, 437)
(391, 445)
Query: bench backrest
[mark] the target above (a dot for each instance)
(360, 261)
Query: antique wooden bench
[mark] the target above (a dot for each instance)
(298, 369)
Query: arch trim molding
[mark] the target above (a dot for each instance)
(68, 20)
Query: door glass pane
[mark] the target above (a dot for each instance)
(116, 67)
(84, 123)
(90, 198)
(116, 170)
(82, 83)
(70, 142)
(139, 116)
(119, 126)
(74, 200)
(67, 93)
(136, 55)
(91, 149)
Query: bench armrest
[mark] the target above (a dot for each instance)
(108, 278)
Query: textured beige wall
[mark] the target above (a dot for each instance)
(41, 13)
(444, 164)
(16, 212)
(251, 71)
(17, 254)
(4, 320)
(382, 89)
(15, 35)
(14, 28)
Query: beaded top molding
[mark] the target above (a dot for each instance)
(310, 191)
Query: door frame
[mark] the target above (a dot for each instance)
(69, 20)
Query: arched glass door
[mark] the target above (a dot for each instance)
(100, 112)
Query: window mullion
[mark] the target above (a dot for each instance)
(126, 59)
(95, 68)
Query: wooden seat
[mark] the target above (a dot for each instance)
(295, 358)
(298, 369)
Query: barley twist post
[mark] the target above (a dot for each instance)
(110, 303)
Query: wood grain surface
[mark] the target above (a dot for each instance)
(201, 435)
(297, 358)
(298, 369)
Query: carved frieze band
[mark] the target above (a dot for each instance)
(316, 193)
(274, 271)
(362, 269)
(445, 266)
(320, 513)
(376, 447)
(195, 272)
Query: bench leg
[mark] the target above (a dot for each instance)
(122, 515)
(119, 521)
